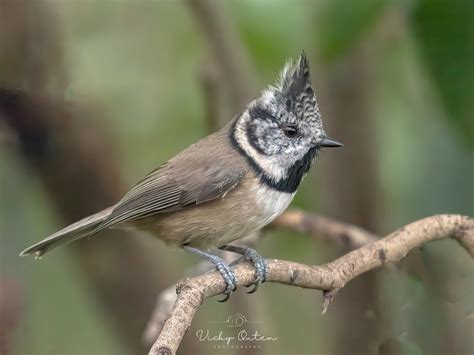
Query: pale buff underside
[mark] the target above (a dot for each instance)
(243, 211)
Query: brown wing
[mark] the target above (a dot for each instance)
(159, 192)
(189, 179)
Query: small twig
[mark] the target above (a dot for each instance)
(327, 277)
(328, 297)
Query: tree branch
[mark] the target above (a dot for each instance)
(330, 230)
(329, 277)
(338, 233)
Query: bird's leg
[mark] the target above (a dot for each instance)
(222, 267)
(251, 255)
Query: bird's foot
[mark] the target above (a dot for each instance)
(249, 254)
(229, 277)
(225, 270)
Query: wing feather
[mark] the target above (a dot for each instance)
(169, 188)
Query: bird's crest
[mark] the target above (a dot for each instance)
(294, 78)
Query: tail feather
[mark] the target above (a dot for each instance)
(78, 230)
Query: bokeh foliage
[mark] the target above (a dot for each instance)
(445, 33)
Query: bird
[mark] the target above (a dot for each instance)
(228, 185)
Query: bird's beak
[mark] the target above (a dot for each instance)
(327, 142)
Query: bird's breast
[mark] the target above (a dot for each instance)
(271, 202)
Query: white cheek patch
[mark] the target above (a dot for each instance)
(272, 167)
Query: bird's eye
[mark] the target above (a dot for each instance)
(290, 131)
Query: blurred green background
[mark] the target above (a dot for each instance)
(125, 84)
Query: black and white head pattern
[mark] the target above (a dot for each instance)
(279, 132)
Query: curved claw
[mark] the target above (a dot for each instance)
(260, 267)
(225, 299)
(260, 272)
(255, 287)
(231, 287)
(230, 279)
(252, 256)
(225, 270)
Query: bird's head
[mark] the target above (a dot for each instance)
(281, 132)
